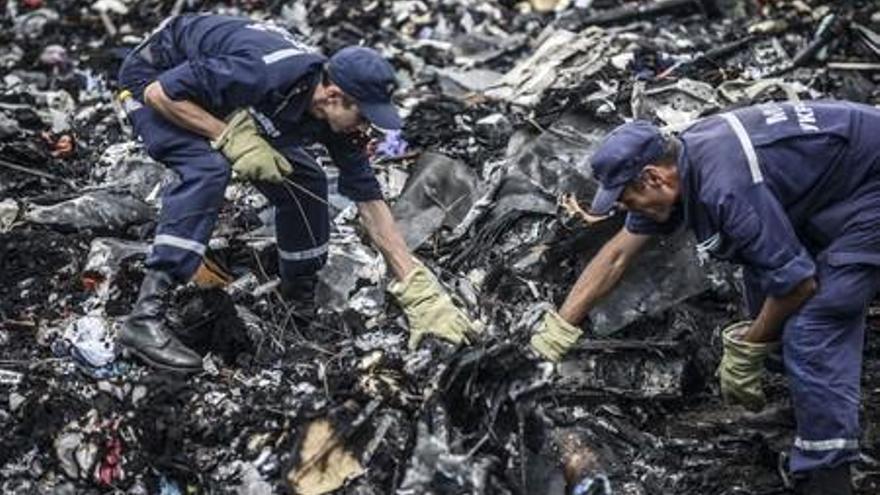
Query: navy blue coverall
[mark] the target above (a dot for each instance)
(792, 191)
(224, 64)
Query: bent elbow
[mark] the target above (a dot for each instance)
(810, 287)
(806, 289)
(153, 94)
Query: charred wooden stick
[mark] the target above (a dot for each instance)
(643, 12)
(38, 173)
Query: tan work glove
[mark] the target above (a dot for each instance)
(429, 309)
(742, 367)
(251, 156)
(554, 337)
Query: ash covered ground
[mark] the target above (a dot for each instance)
(503, 101)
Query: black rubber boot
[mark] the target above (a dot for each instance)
(299, 292)
(144, 334)
(834, 481)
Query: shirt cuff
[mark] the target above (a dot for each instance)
(638, 224)
(360, 189)
(782, 280)
(178, 82)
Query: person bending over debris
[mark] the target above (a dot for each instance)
(212, 95)
(791, 191)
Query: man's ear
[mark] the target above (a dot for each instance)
(652, 176)
(333, 91)
(658, 175)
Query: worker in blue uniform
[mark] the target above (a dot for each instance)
(791, 191)
(214, 96)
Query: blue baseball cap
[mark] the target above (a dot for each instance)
(368, 78)
(620, 159)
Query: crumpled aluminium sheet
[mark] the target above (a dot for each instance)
(562, 58)
(438, 193)
(97, 210)
(667, 272)
(90, 336)
(350, 264)
(646, 406)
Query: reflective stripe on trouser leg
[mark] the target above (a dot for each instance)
(302, 222)
(189, 205)
(823, 345)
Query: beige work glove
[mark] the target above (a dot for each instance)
(742, 367)
(252, 158)
(554, 337)
(429, 309)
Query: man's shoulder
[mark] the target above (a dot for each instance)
(202, 23)
(270, 42)
(715, 159)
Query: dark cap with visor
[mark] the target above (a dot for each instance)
(368, 78)
(620, 159)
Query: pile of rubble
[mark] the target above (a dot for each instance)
(503, 101)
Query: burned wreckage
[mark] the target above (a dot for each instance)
(503, 102)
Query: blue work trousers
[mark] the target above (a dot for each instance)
(822, 348)
(191, 205)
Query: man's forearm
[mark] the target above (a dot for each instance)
(601, 275)
(185, 114)
(383, 232)
(767, 327)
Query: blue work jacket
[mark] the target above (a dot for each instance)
(775, 186)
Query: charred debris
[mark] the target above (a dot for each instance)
(503, 100)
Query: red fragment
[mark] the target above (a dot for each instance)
(63, 146)
(91, 281)
(110, 469)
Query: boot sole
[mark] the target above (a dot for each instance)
(134, 352)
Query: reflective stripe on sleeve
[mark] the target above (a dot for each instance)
(746, 143)
(278, 55)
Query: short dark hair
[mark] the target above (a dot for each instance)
(671, 149)
(325, 77)
(669, 158)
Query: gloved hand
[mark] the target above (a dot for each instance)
(742, 367)
(429, 309)
(554, 337)
(251, 156)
